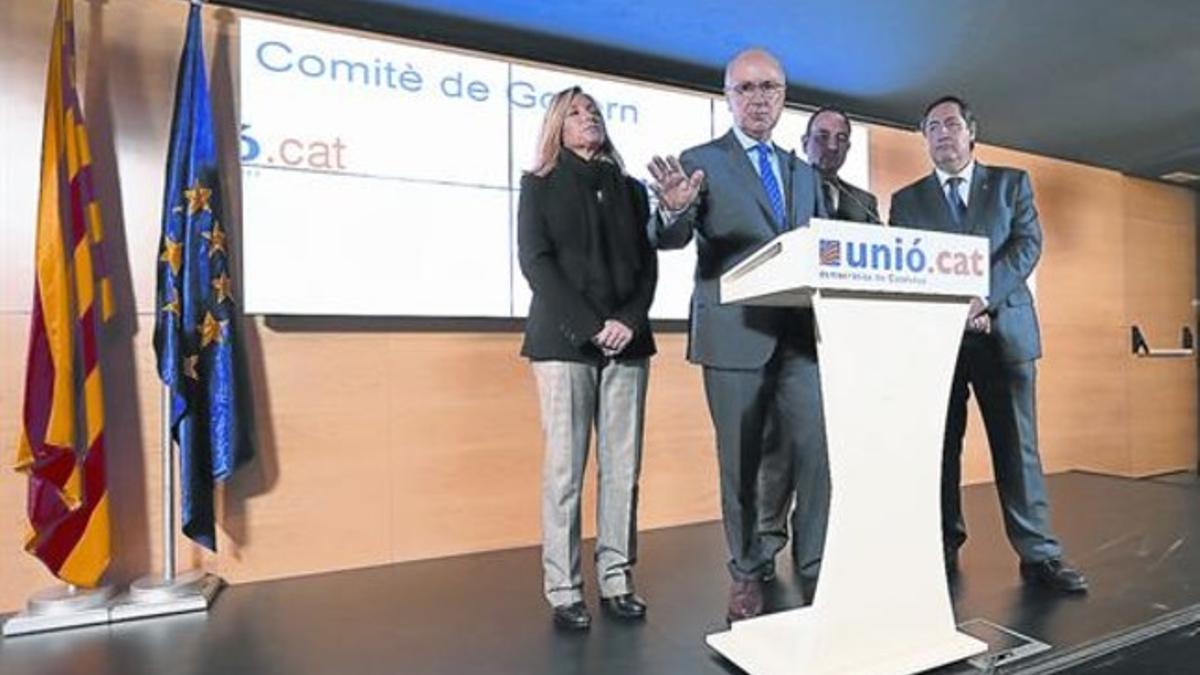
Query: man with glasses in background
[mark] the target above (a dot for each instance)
(733, 195)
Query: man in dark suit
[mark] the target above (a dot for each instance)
(826, 142)
(997, 360)
(733, 195)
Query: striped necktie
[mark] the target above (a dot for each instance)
(958, 208)
(770, 185)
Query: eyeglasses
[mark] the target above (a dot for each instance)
(951, 125)
(768, 88)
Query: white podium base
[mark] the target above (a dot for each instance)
(784, 644)
(153, 596)
(882, 606)
(61, 607)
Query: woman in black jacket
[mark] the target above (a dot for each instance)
(584, 250)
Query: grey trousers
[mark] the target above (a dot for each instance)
(774, 412)
(574, 397)
(1007, 401)
(776, 492)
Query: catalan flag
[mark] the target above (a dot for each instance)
(194, 333)
(61, 447)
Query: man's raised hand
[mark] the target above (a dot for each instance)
(674, 188)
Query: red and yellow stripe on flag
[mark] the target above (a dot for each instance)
(62, 437)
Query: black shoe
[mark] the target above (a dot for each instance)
(572, 617)
(628, 607)
(1055, 575)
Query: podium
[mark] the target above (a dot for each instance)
(890, 307)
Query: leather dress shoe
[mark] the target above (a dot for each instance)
(628, 607)
(1055, 575)
(745, 599)
(572, 617)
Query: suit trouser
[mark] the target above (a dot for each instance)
(776, 492)
(574, 397)
(788, 391)
(1006, 392)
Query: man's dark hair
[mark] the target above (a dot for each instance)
(826, 109)
(963, 107)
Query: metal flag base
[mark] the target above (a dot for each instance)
(158, 596)
(61, 607)
(170, 592)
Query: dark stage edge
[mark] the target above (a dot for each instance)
(1137, 540)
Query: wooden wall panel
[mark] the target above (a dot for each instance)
(384, 446)
(1082, 407)
(462, 470)
(897, 159)
(1159, 246)
(1162, 415)
(1079, 286)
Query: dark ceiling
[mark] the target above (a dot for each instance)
(1111, 83)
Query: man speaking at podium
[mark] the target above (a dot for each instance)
(733, 195)
(826, 143)
(1002, 342)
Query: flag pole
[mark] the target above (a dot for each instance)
(169, 592)
(168, 488)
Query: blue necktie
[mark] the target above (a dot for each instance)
(770, 185)
(958, 209)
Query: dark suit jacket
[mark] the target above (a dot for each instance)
(858, 205)
(553, 254)
(1000, 208)
(731, 219)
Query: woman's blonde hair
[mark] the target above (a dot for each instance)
(550, 141)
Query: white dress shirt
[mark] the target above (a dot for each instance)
(964, 188)
(749, 144)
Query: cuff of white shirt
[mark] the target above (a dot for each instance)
(668, 216)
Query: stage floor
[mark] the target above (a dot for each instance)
(1137, 540)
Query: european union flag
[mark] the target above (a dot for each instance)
(194, 334)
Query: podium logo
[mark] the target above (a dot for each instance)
(831, 252)
(899, 257)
